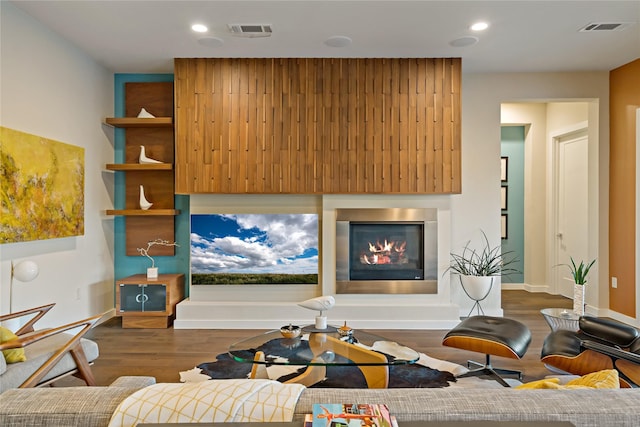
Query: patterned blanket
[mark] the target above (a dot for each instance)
(237, 400)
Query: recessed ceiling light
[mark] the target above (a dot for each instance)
(338, 41)
(479, 26)
(464, 41)
(199, 28)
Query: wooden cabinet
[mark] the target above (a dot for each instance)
(157, 137)
(144, 303)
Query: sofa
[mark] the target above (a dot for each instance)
(93, 406)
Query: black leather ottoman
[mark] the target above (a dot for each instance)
(497, 336)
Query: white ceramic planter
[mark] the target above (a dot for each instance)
(578, 299)
(476, 287)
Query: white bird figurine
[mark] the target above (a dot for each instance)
(144, 114)
(143, 157)
(144, 203)
(319, 303)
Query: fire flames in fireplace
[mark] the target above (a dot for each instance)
(389, 252)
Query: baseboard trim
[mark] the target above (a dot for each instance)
(526, 287)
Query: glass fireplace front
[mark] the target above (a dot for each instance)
(391, 251)
(386, 251)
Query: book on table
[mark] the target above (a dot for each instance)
(350, 415)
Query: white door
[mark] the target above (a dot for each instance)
(572, 205)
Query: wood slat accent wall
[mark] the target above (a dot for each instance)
(318, 126)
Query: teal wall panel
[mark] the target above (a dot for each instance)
(128, 265)
(512, 147)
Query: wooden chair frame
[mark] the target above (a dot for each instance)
(27, 336)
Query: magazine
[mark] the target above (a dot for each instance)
(351, 415)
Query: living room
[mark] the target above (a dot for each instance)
(97, 258)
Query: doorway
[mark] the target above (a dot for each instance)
(571, 204)
(543, 120)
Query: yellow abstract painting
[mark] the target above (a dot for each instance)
(42, 188)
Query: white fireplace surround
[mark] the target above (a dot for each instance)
(271, 306)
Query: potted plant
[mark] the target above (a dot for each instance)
(579, 273)
(477, 268)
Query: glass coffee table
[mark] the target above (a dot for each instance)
(318, 348)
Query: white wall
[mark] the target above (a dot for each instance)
(52, 89)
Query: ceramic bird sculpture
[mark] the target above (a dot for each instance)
(143, 157)
(144, 203)
(144, 114)
(319, 303)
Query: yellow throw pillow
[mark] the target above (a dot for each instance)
(13, 355)
(545, 383)
(602, 379)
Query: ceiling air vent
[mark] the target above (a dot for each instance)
(250, 30)
(605, 26)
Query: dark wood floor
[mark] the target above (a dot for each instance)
(162, 353)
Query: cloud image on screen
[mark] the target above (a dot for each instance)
(235, 249)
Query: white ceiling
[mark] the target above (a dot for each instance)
(145, 35)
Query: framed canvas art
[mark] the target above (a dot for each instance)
(504, 169)
(43, 193)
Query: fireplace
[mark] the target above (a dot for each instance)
(386, 251)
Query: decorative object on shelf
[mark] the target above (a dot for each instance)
(144, 159)
(144, 114)
(144, 203)
(478, 268)
(152, 272)
(579, 273)
(290, 331)
(23, 271)
(321, 304)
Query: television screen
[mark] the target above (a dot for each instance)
(236, 249)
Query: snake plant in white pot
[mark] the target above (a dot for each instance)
(579, 273)
(477, 269)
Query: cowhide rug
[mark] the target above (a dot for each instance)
(419, 374)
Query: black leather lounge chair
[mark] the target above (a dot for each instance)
(599, 344)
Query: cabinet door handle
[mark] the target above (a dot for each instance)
(142, 298)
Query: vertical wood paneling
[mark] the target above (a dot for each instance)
(318, 125)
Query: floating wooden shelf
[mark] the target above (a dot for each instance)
(135, 122)
(139, 166)
(140, 212)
